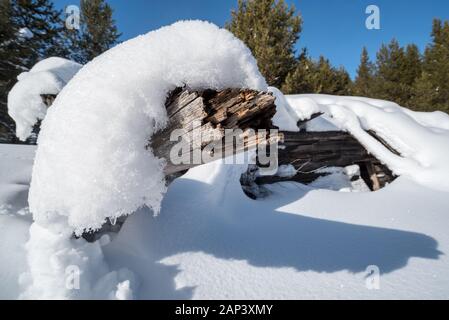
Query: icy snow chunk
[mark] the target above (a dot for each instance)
(353, 170)
(92, 163)
(286, 170)
(25, 104)
(285, 117)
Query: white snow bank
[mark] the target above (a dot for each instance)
(422, 139)
(25, 104)
(287, 118)
(45, 259)
(299, 242)
(91, 163)
(64, 268)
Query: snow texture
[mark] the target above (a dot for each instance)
(212, 242)
(285, 117)
(65, 268)
(25, 104)
(92, 162)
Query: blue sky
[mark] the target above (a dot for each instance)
(333, 28)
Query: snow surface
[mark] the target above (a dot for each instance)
(34, 260)
(92, 163)
(211, 241)
(25, 104)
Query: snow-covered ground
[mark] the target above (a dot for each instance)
(211, 241)
(204, 238)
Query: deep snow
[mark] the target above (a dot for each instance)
(211, 241)
(421, 138)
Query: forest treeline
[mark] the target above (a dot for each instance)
(31, 30)
(419, 81)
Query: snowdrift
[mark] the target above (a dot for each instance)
(25, 104)
(421, 139)
(91, 163)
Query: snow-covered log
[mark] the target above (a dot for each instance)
(214, 111)
(308, 152)
(211, 112)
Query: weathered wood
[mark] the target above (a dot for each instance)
(308, 152)
(207, 114)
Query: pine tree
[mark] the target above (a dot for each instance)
(412, 71)
(46, 26)
(413, 64)
(343, 82)
(7, 69)
(7, 38)
(389, 77)
(30, 30)
(363, 81)
(330, 80)
(299, 80)
(317, 77)
(6, 31)
(432, 88)
(98, 31)
(270, 28)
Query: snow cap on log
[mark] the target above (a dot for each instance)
(91, 163)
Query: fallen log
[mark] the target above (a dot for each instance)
(203, 116)
(211, 112)
(308, 152)
(206, 114)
